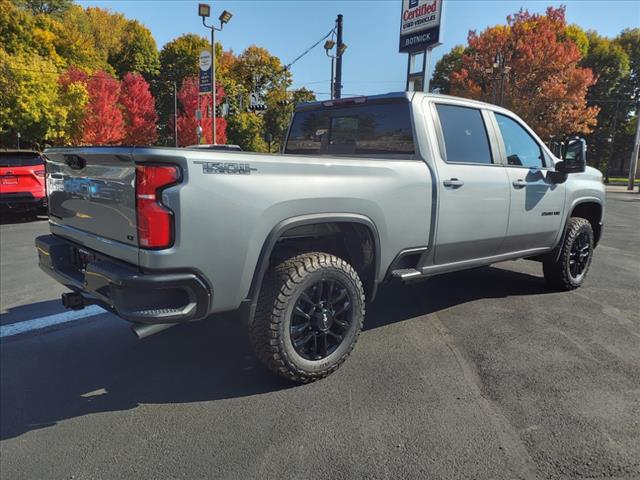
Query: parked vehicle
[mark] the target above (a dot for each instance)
(395, 187)
(22, 182)
(218, 146)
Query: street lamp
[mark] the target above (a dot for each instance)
(498, 70)
(328, 45)
(204, 11)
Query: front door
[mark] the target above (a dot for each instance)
(473, 189)
(537, 202)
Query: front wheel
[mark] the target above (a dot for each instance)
(310, 313)
(574, 259)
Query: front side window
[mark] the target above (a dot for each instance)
(465, 135)
(521, 149)
(376, 129)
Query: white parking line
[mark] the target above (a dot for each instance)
(49, 320)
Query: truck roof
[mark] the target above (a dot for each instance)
(393, 95)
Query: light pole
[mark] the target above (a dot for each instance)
(204, 10)
(328, 45)
(498, 71)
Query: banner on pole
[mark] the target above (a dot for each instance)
(206, 82)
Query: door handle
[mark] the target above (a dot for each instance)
(453, 182)
(519, 183)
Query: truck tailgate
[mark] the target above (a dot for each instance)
(93, 190)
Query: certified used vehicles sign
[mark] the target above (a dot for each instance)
(420, 24)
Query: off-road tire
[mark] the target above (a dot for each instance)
(557, 272)
(281, 288)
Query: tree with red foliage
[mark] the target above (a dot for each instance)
(544, 84)
(103, 123)
(189, 98)
(138, 108)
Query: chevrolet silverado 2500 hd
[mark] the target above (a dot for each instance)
(398, 186)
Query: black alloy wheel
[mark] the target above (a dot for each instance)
(309, 315)
(579, 255)
(321, 317)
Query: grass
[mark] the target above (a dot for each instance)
(618, 180)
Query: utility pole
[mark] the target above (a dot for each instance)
(612, 140)
(636, 149)
(175, 112)
(338, 82)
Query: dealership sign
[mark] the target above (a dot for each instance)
(420, 25)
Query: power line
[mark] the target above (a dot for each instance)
(288, 66)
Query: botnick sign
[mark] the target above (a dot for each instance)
(420, 25)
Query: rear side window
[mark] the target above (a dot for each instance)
(377, 129)
(465, 135)
(521, 149)
(19, 159)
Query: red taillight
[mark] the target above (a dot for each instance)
(39, 173)
(155, 221)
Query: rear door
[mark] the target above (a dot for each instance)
(473, 189)
(92, 191)
(537, 202)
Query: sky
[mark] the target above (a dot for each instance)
(371, 63)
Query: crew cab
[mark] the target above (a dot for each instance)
(368, 190)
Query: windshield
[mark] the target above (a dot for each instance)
(353, 130)
(20, 159)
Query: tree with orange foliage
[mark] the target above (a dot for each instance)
(544, 84)
(190, 100)
(139, 111)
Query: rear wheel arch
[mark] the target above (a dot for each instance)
(357, 231)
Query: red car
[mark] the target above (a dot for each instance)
(22, 181)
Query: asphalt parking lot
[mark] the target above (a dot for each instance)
(484, 374)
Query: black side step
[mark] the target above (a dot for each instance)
(406, 274)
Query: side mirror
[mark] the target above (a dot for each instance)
(575, 158)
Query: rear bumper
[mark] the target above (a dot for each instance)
(22, 201)
(132, 294)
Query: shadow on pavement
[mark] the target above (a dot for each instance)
(100, 367)
(31, 311)
(9, 218)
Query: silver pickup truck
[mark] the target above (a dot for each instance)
(368, 190)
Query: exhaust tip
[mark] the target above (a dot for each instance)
(144, 330)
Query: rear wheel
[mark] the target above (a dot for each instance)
(574, 259)
(310, 313)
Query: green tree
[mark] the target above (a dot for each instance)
(30, 103)
(47, 7)
(136, 53)
(610, 64)
(450, 62)
(280, 106)
(629, 40)
(260, 71)
(247, 130)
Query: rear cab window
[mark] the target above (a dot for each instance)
(20, 159)
(464, 135)
(383, 129)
